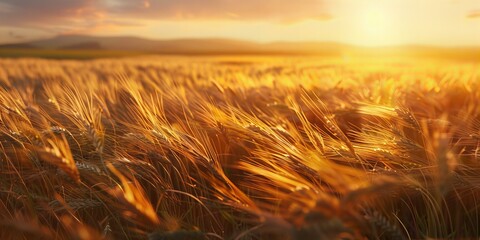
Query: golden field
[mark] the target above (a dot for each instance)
(240, 148)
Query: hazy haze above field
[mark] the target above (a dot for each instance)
(360, 22)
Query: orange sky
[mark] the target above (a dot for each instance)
(360, 22)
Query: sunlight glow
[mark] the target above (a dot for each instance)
(375, 25)
(357, 22)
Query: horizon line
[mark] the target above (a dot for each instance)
(412, 44)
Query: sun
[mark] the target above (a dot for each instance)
(375, 25)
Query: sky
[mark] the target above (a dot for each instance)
(358, 22)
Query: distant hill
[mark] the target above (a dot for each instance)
(178, 46)
(228, 46)
(84, 46)
(17, 45)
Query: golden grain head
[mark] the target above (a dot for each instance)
(175, 148)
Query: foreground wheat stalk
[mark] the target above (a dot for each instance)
(207, 149)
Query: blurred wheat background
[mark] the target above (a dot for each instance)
(239, 148)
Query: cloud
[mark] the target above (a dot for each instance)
(474, 14)
(47, 11)
(30, 11)
(267, 10)
(84, 16)
(14, 35)
(59, 17)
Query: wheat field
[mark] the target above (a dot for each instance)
(239, 148)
